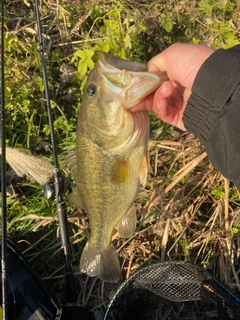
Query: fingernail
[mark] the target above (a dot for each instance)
(163, 88)
(159, 104)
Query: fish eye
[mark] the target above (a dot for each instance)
(91, 90)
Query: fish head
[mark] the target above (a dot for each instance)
(114, 86)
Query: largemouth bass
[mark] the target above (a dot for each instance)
(111, 157)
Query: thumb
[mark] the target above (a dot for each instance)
(157, 63)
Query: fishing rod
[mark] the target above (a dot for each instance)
(3, 180)
(24, 295)
(58, 178)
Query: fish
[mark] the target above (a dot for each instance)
(110, 163)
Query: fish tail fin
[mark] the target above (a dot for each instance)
(102, 263)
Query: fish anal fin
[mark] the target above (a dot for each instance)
(143, 171)
(75, 200)
(126, 227)
(101, 263)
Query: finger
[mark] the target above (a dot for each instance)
(157, 63)
(169, 104)
(169, 113)
(171, 90)
(165, 90)
(145, 104)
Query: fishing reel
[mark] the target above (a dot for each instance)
(49, 188)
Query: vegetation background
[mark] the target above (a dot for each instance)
(187, 210)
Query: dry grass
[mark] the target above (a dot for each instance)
(178, 217)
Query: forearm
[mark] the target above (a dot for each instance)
(213, 111)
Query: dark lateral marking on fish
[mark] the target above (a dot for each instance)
(120, 171)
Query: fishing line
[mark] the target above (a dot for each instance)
(3, 180)
(58, 179)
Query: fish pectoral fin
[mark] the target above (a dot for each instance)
(143, 171)
(127, 226)
(120, 171)
(75, 200)
(71, 162)
(102, 263)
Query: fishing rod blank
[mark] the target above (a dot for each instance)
(3, 180)
(58, 179)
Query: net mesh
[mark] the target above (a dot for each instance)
(173, 291)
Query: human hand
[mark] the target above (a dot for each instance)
(181, 62)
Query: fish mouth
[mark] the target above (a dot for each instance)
(130, 81)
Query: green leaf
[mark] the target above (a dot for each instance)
(195, 41)
(89, 53)
(107, 23)
(106, 45)
(114, 14)
(126, 22)
(168, 26)
(143, 26)
(231, 40)
(123, 54)
(206, 7)
(78, 54)
(102, 30)
(235, 231)
(127, 42)
(82, 68)
(218, 193)
(46, 129)
(167, 23)
(90, 63)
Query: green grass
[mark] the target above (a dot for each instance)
(190, 212)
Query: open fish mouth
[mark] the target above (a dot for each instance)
(129, 80)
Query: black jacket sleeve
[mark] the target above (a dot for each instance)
(213, 111)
